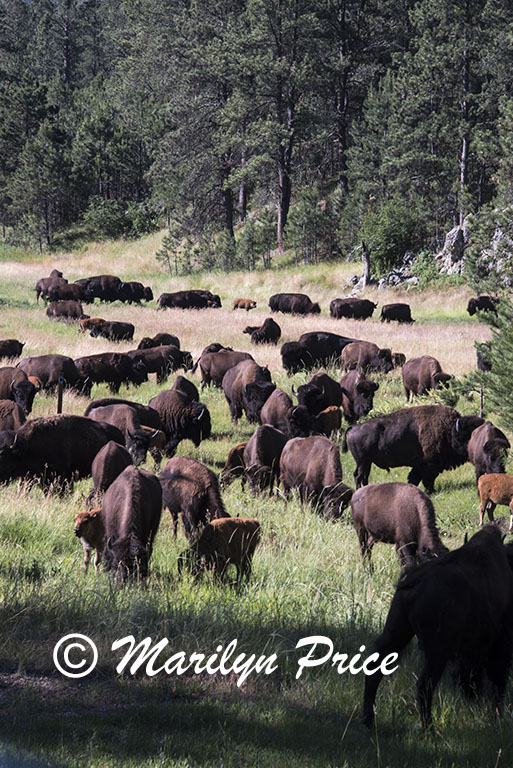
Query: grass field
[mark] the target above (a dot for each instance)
(308, 578)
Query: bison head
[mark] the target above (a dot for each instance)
(254, 396)
(299, 421)
(495, 452)
(127, 556)
(398, 359)
(441, 380)
(10, 464)
(315, 309)
(23, 393)
(187, 361)
(363, 402)
(148, 294)
(311, 396)
(196, 423)
(295, 357)
(139, 373)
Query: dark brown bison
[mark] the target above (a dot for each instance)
(131, 511)
(400, 514)
(139, 439)
(162, 360)
(181, 419)
(12, 415)
(267, 333)
(108, 463)
(10, 348)
(16, 386)
(112, 330)
(281, 413)
(313, 349)
(213, 365)
(482, 303)
(293, 304)
(191, 489)
(53, 369)
(262, 458)
(246, 387)
(134, 292)
(187, 387)
(487, 449)
(54, 449)
(319, 393)
(246, 304)
(42, 286)
(193, 299)
(460, 607)
(427, 438)
(357, 395)
(234, 466)
(224, 542)
(65, 292)
(358, 309)
(159, 340)
(327, 421)
(312, 465)
(422, 374)
(103, 287)
(366, 356)
(69, 311)
(113, 368)
(398, 359)
(401, 313)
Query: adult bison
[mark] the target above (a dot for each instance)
(246, 387)
(421, 374)
(102, 287)
(42, 285)
(54, 449)
(312, 465)
(357, 395)
(214, 365)
(357, 309)
(482, 303)
(51, 370)
(319, 393)
(192, 299)
(399, 312)
(293, 304)
(131, 512)
(69, 311)
(12, 415)
(487, 450)
(427, 438)
(159, 340)
(279, 411)
(181, 419)
(109, 462)
(10, 348)
(65, 292)
(366, 356)
(112, 330)
(162, 360)
(315, 348)
(262, 458)
(139, 439)
(113, 368)
(187, 387)
(460, 607)
(134, 292)
(267, 333)
(15, 385)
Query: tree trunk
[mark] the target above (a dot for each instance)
(367, 268)
(465, 115)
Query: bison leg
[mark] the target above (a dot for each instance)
(361, 474)
(97, 559)
(427, 682)
(497, 666)
(407, 553)
(366, 543)
(486, 506)
(415, 475)
(87, 557)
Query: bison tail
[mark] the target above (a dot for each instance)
(195, 366)
(215, 503)
(344, 439)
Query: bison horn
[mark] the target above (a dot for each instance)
(457, 426)
(201, 413)
(12, 385)
(465, 538)
(294, 391)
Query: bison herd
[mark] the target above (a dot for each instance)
(294, 447)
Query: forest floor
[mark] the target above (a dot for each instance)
(308, 577)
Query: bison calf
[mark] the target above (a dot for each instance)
(234, 466)
(246, 304)
(89, 528)
(495, 489)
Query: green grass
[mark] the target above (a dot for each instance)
(308, 579)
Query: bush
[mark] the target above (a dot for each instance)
(390, 231)
(115, 218)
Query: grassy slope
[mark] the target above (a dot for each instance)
(308, 578)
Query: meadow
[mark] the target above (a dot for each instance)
(308, 578)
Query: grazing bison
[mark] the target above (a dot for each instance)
(102, 287)
(487, 449)
(134, 292)
(246, 304)
(191, 489)
(400, 514)
(293, 304)
(10, 348)
(54, 369)
(147, 416)
(422, 374)
(181, 419)
(113, 368)
(366, 356)
(42, 286)
(15, 385)
(159, 340)
(64, 310)
(162, 360)
(327, 421)
(262, 458)
(483, 352)
(495, 489)
(319, 393)
(187, 387)
(399, 312)
(246, 387)
(460, 607)
(12, 415)
(316, 348)
(65, 292)
(131, 512)
(279, 412)
(224, 542)
(267, 333)
(312, 464)
(398, 359)
(357, 395)
(358, 309)
(482, 303)
(234, 466)
(112, 330)
(108, 463)
(188, 300)
(214, 365)
(56, 448)
(139, 439)
(427, 438)
(88, 526)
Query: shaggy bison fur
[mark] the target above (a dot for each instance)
(224, 542)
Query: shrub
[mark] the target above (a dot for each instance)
(390, 230)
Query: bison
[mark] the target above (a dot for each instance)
(52, 370)
(181, 419)
(88, 526)
(162, 360)
(131, 511)
(315, 348)
(460, 607)
(421, 374)
(10, 348)
(293, 304)
(188, 300)
(224, 542)
(427, 438)
(357, 395)
(487, 449)
(234, 465)
(246, 387)
(246, 304)
(267, 333)
(42, 286)
(262, 458)
(357, 309)
(495, 489)
(69, 311)
(214, 365)
(12, 416)
(400, 514)
(187, 387)
(159, 340)
(112, 330)
(319, 393)
(113, 368)
(482, 303)
(102, 287)
(192, 489)
(134, 292)
(327, 421)
(312, 464)
(366, 356)
(279, 411)
(15, 385)
(398, 312)
(139, 439)
(109, 462)
(59, 291)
